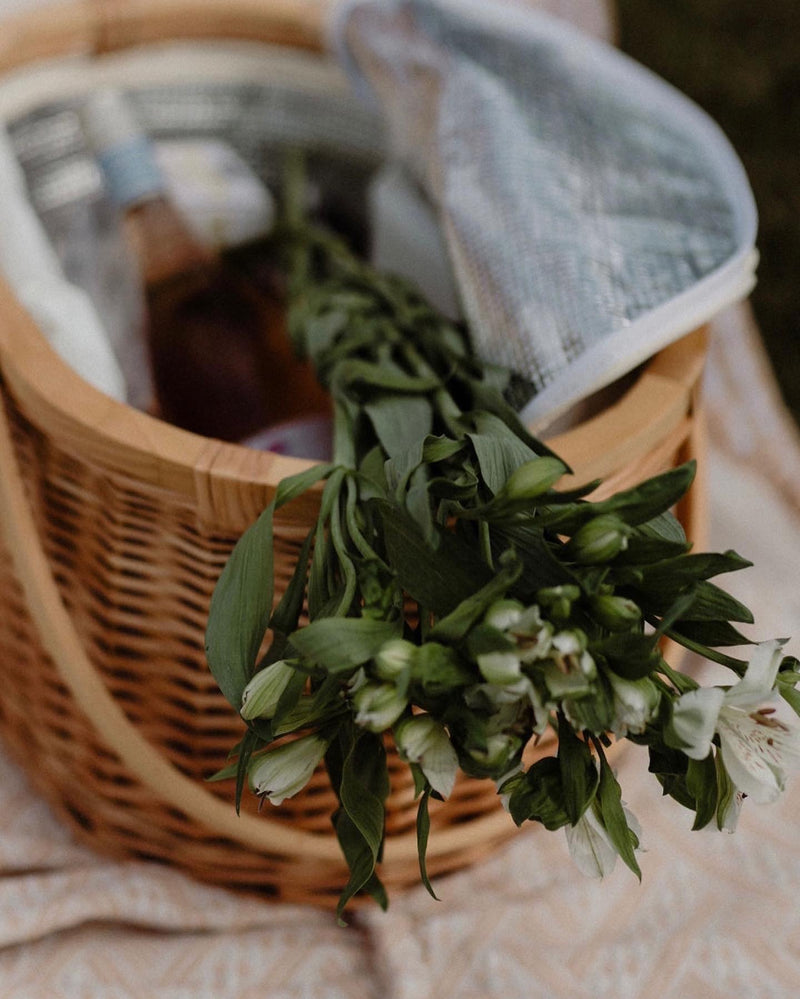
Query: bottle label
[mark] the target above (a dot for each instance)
(131, 171)
(215, 190)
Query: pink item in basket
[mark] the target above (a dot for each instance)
(304, 437)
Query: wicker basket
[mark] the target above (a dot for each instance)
(117, 525)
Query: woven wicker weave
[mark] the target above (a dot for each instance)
(117, 527)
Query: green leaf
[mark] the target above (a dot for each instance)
(670, 767)
(643, 550)
(295, 485)
(360, 822)
(635, 506)
(538, 796)
(490, 405)
(319, 332)
(726, 790)
(373, 474)
(287, 613)
(737, 665)
(630, 655)
(579, 777)
(713, 604)
(354, 372)
(400, 421)
(240, 609)
(241, 604)
(687, 568)
(664, 527)
(318, 589)
(540, 568)
(340, 644)
(790, 694)
(713, 633)
(609, 798)
(440, 579)
(365, 786)
(701, 783)
(360, 861)
(400, 467)
(423, 831)
(457, 623)
(484, 638)
(499, 454)
(320, 582)
(436, 449)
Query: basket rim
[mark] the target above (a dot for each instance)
(59, 402)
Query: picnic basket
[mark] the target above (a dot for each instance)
(116, 526)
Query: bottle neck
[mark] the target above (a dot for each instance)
(131, 172)
(161, 240)
(164, 246)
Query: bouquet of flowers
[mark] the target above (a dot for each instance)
(451, 599)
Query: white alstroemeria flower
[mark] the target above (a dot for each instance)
(571, 654)
(423, 740)
(534, 636)
(282, 772)
(524, 626)
(635, 704)
(757, 749)
(378, 706)
(501, 698)
(590, 845)
(570, 671)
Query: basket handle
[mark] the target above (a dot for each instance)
(121, 24)
(61, 641)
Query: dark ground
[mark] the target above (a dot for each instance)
(740, 61)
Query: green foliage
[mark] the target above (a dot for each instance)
(449, 574)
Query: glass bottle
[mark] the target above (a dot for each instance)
(207, 327)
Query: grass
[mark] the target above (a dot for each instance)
(740, 61)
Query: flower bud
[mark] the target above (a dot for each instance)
(599, 540)
(635, 704)
(378, 706)
(533, 478)
(500, 749)
(503, 614)
(282, 772)
(423, 740)
(500, 667)
(261, 695)
(615, 613)
(559, 599)
(394, 657)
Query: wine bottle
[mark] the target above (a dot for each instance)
(207, 327)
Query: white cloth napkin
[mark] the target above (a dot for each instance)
(592, 214)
